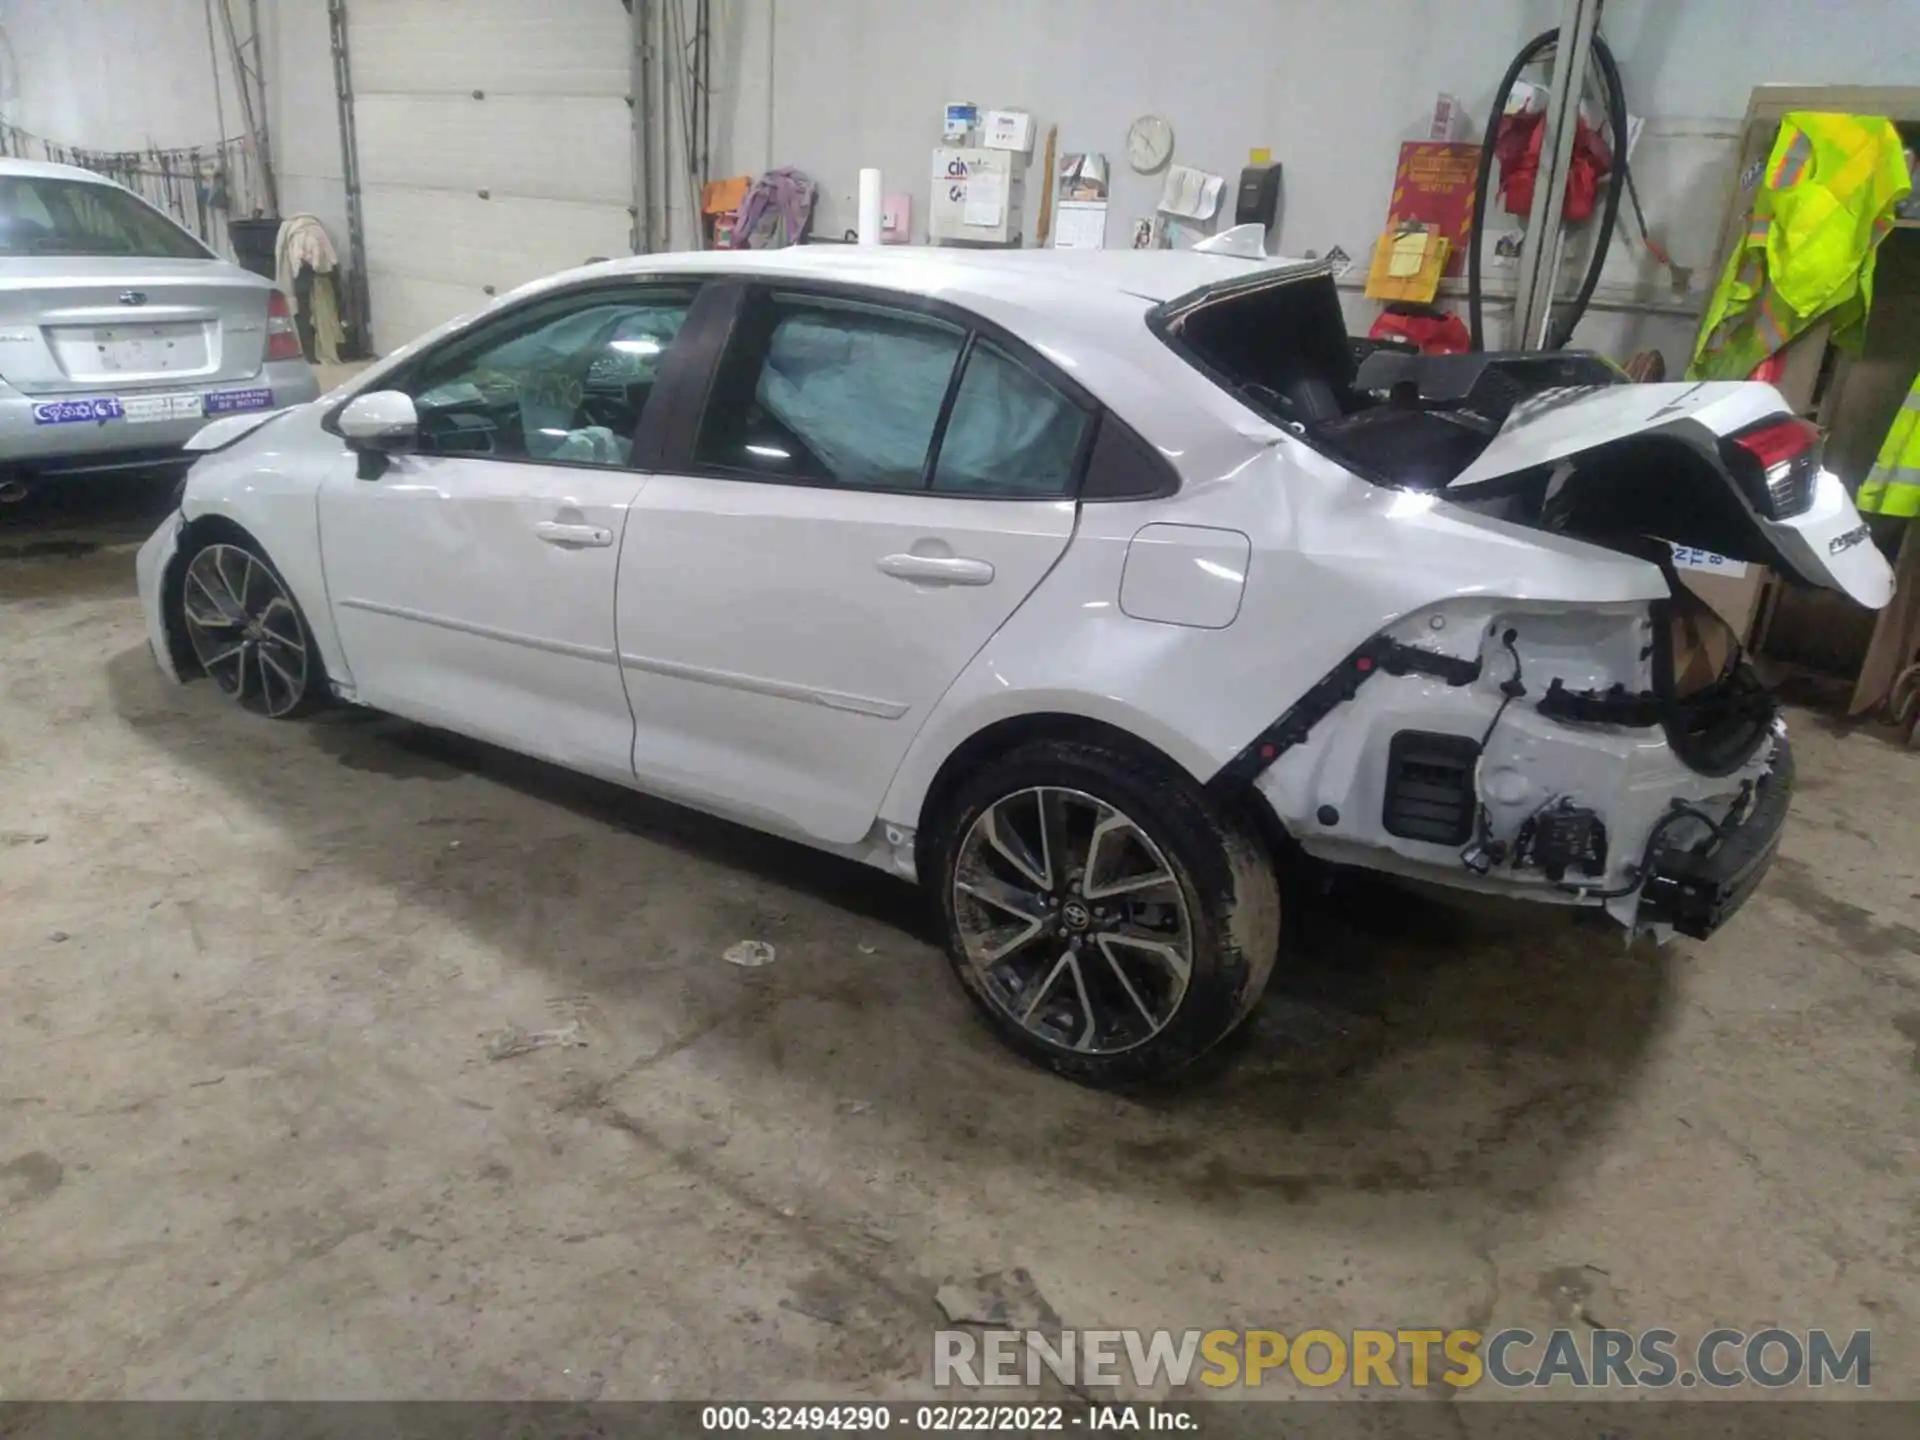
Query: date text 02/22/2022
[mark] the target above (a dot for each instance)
(945, 1418)
(134, 409)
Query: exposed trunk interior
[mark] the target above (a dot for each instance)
(1389, 414)
(1712, 703)
(1399, 418)
(1411, 421)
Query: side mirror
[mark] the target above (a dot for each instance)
(377, 425)
(381, 421)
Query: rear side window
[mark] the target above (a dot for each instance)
(1278, 342)
(40, 216)
(1010, 433)
(829, 392)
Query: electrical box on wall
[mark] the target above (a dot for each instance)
(1257, 201)
(976, 197)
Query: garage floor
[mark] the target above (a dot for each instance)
(252, 1143)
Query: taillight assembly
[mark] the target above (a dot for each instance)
(1775, 463)
(283, 341)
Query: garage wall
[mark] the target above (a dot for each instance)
(1332, 89)
(134, 74)
(302, 115)
(831, 85)
(84, 72)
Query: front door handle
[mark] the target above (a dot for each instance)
(937, 569)
(555, 533)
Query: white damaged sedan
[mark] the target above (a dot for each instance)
(1092, 592)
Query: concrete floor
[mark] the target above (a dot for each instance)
(251, 1143)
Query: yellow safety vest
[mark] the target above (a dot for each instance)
(1893, 485)
(1822, 207)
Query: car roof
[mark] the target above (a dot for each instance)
(51, 170)
(956, 272)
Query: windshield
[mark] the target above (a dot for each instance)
(42, 216)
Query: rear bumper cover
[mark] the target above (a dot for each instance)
(1696, 894)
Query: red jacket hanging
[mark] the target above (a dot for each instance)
(1517, 147)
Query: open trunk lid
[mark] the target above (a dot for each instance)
(1753, 488)
(1559, 441)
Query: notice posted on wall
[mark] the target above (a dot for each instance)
(1433, 186)
(1080, 225)
(986, 198)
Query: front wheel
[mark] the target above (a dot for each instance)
(247, 632)
(1104, 915)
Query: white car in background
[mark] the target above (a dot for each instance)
(121, 334)
(1091, 591)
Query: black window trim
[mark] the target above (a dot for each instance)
(654, 419)
(678, 456)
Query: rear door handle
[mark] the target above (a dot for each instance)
(938, 569)
(555, 533)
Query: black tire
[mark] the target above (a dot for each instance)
(273, 686)
(1223, 871)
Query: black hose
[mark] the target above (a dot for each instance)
(1483, 184)
(1559, 334)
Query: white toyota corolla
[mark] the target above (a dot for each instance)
(1091, 591)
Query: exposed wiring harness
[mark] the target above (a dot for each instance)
(1511, 688)
(1485, 852)
(1637, 874)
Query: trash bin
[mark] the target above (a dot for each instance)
(253, 243)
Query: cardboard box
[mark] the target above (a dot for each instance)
(1734, 598)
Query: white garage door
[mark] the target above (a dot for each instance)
(495, 147)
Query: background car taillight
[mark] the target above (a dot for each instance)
(283, 341)
(1775, 462)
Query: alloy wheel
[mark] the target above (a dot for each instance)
(245, 631)
(1073, 920)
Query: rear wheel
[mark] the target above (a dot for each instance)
(247, 632)
(1104, 916)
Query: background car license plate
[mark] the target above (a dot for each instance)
(143, 350)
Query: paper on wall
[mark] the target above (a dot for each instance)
(1080, 225)
(1191, 193)
(1082, 176)
(1409, 254)
(986, 198)
(1007, 130)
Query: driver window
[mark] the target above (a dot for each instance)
(564, 380)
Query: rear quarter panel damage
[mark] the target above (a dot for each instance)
(1333, 561)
